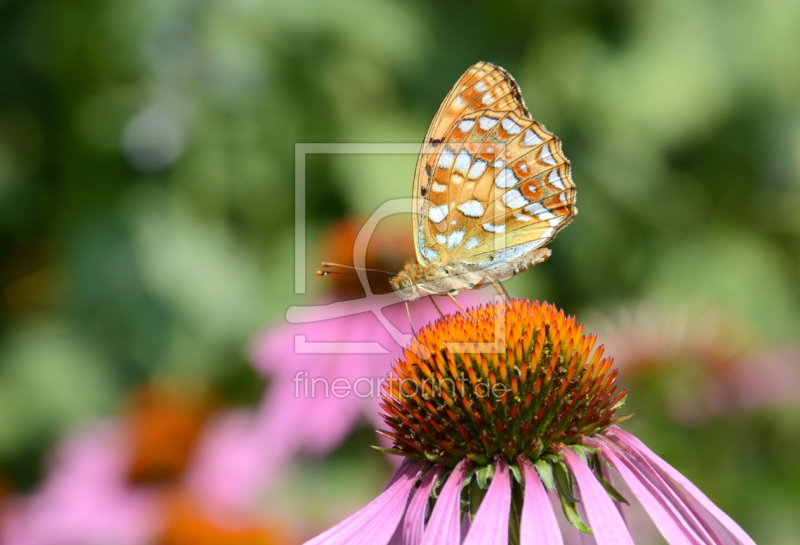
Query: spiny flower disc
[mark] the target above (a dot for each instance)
(505, 379)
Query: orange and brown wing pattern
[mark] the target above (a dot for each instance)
(483, 86)
(496, 187)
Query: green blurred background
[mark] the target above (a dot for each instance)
(147, 189)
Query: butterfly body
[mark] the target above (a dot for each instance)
(416, 280)
(491, 188)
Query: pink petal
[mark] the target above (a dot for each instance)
(443, 526)
(414, 522)
(490, 526)
(539, 524)
(375, 524)
(605, 521)
(658, 505)
(714, 520)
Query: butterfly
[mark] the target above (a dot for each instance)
(491, 189)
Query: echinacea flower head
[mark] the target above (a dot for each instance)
(512, 394)
(500, 408)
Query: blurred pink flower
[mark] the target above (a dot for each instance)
(728, 366)
(141, 480)
(86, 497)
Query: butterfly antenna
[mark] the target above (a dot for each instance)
(329, 264)
(437, 306)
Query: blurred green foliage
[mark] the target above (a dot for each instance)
(147, 175)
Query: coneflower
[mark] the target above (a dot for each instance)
(497, 407)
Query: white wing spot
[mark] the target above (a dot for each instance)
(459, 102)
(514, 199)
(455, 239)
(466, 124)
(438, 188)
(510, 126)
(506, 178)
(471, 243)
(441, 239)
(453, 222)
(545, 156)
(480, 87)
(555, 222)
(487, 99)
(430, 254)
(487, 123)
(446, 158)
(499, 163)
(522, 217)
(471, 209)
(494, 228)
(523, 166)
(477, 169)
(438, 213)
(531, 138)
(562, 197)
(540, 211)
(463, 160)
(555, 180)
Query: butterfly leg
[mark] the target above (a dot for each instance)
(501, 289)
(437, 306)
(408, 313)
(451, 296)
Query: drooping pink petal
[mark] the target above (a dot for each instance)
(722, 528)
(414, 521)
(376, 523)
(673, 527)
(490, 526)
(539, 524)
(605, 521)
(443, 526)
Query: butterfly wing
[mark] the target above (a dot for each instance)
(482, 86)
(491, 184)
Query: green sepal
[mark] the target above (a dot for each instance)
(563, 481)
(583, 452)
(483, 475)
(432, 457)
(439, 484)
(388, 450)
(515, 519)
(475, 496)
(573, 516)
(598, 472)
(545, 471)
(620, 403)
(515, 471)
